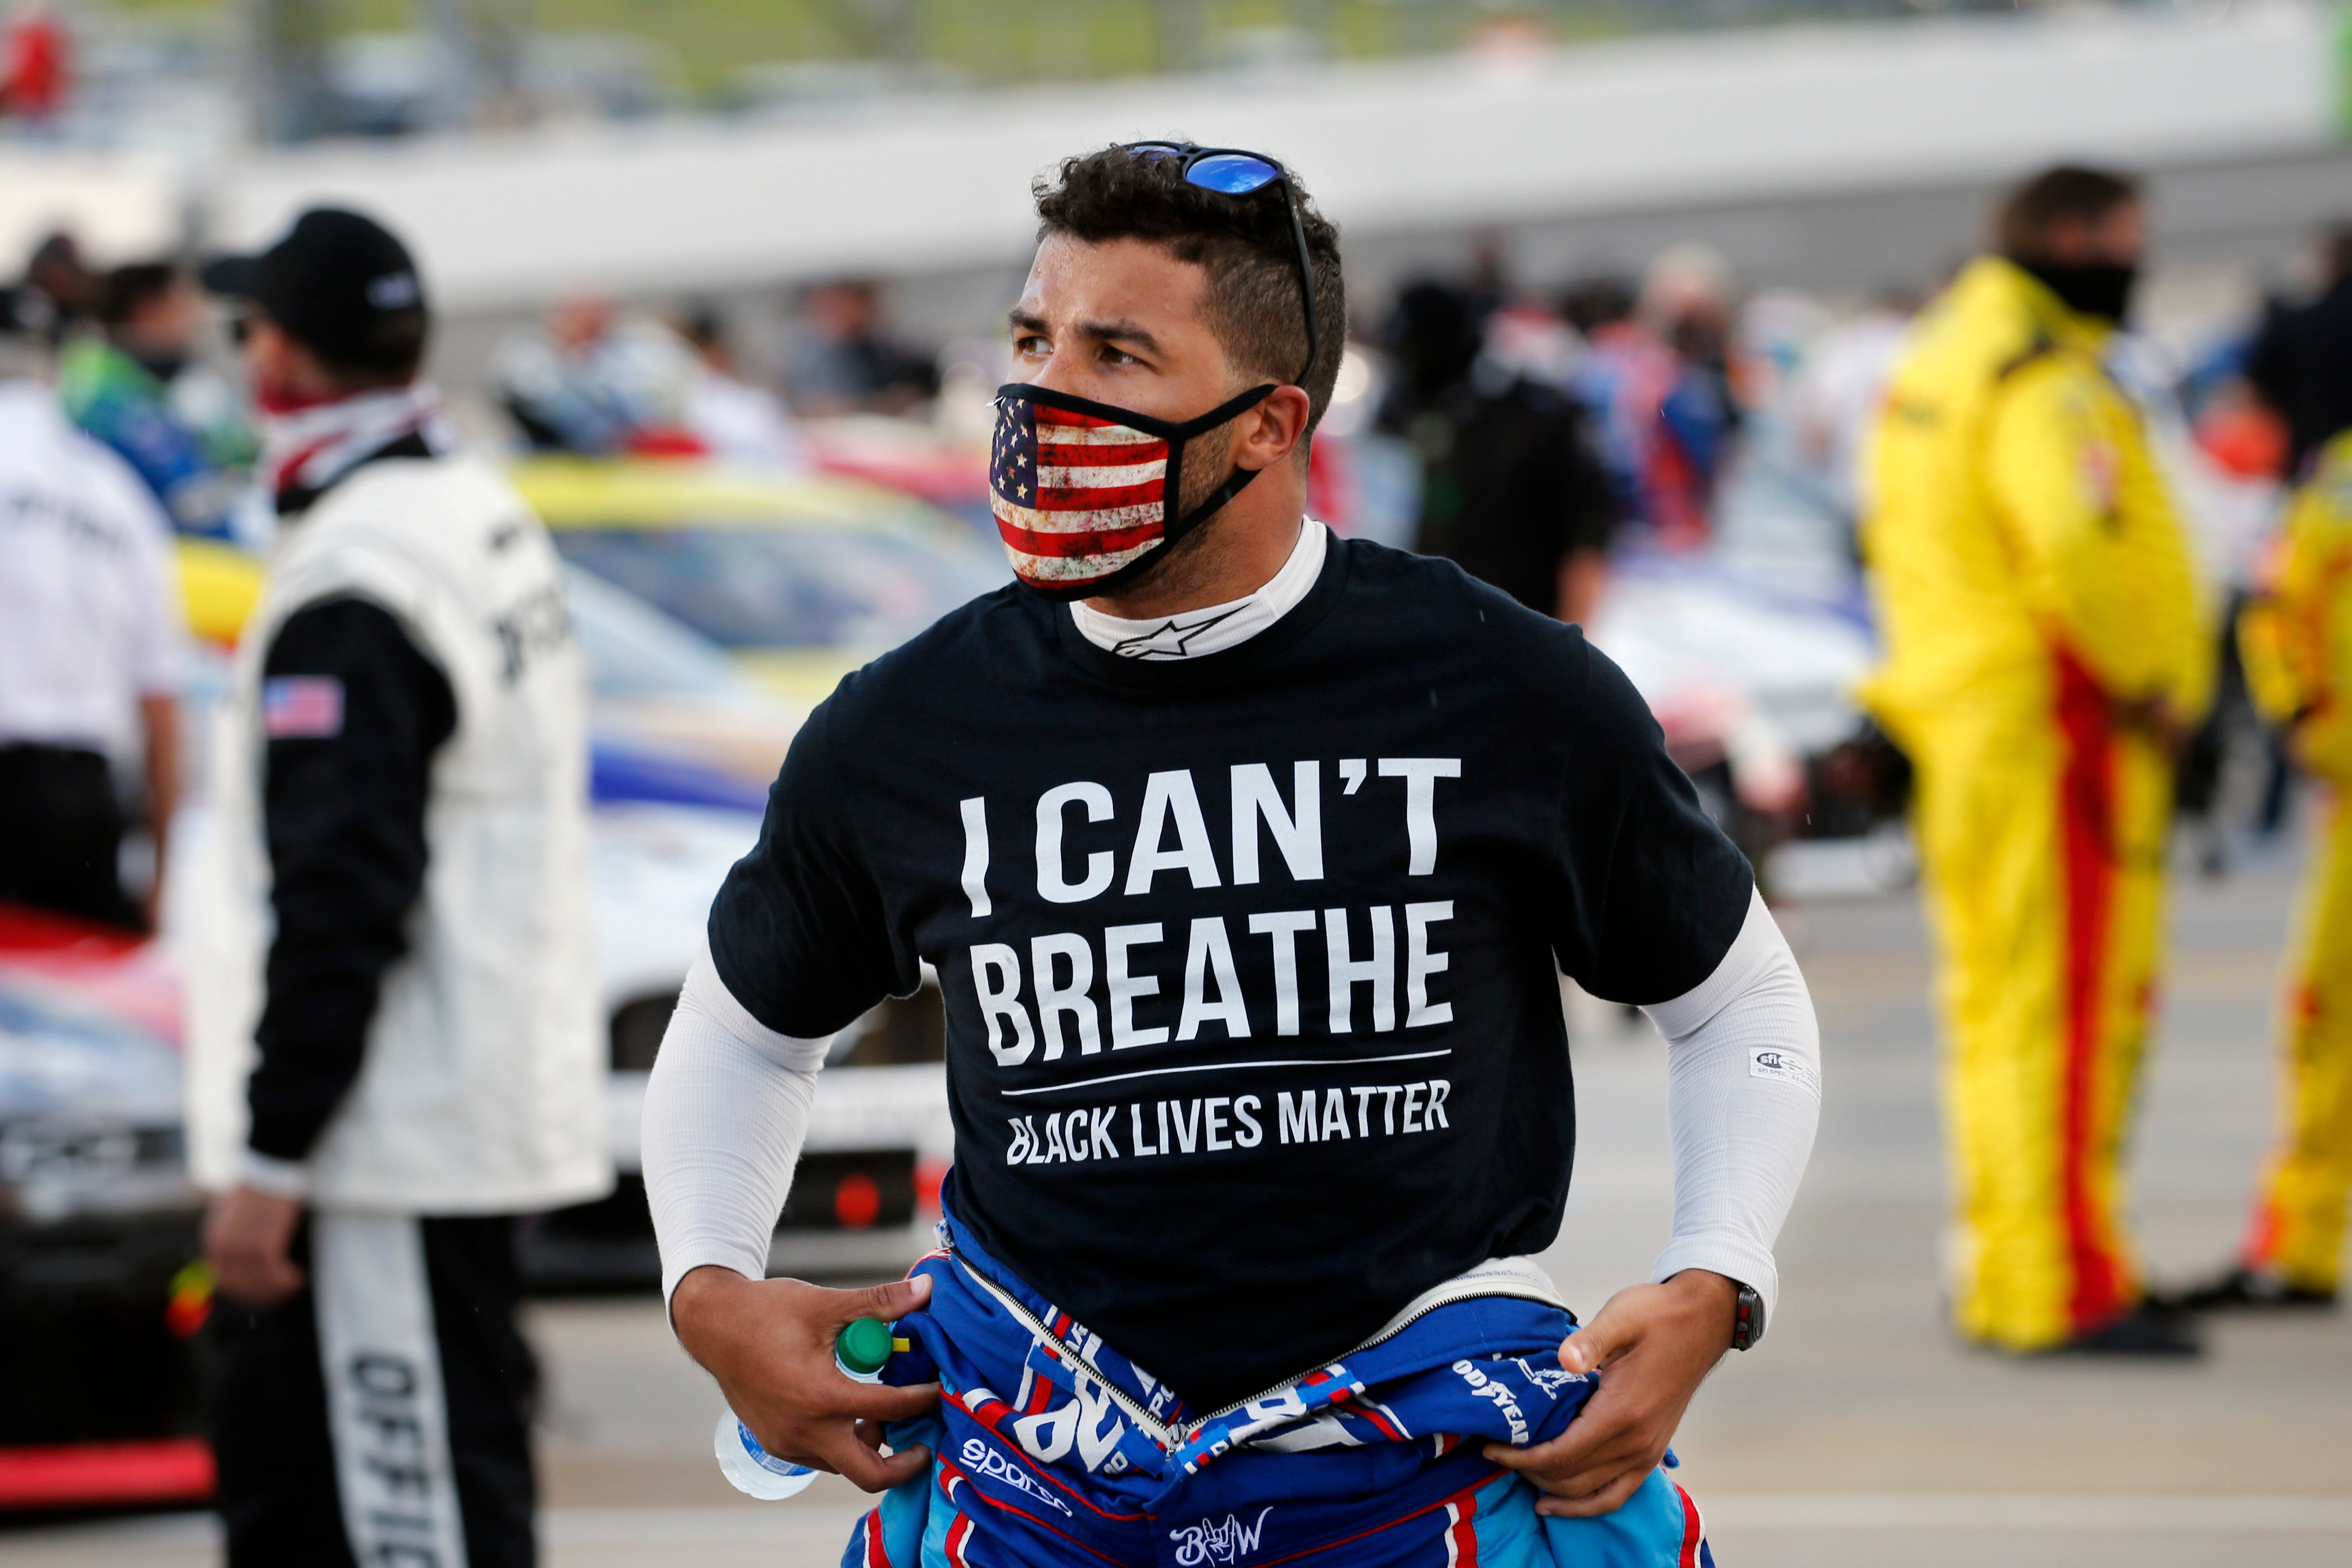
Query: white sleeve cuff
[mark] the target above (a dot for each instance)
(279, 1178)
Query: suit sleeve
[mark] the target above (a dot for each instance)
(352, 714)
(2104, 556)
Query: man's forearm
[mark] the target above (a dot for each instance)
(1743, 1099)
(725, 1112)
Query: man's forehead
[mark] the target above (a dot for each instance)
(1125, 277)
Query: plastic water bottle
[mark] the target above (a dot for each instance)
(858, 1351)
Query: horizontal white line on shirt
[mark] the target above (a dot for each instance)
(1219, 1067)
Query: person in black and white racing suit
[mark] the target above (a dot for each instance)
(394, 1045)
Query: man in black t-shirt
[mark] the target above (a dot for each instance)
(1248, 861)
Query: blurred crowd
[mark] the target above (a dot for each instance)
(1533, 433)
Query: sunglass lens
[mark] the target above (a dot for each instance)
(1235, 174)
(1154, 152)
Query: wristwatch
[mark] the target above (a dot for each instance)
(1747, 1317)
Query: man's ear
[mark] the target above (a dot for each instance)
(1275, 429)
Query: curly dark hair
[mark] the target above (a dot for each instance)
(1243, 243)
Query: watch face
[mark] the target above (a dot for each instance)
(1747, 1319)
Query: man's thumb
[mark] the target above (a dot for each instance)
(893, 1301)
(1592, 1346)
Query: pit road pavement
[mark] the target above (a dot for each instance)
(1858, 1433)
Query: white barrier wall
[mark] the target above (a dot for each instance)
(940, 183)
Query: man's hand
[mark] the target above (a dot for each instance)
(247, 1233)
(770, 1344)
(1654, 1344)
(2156, 718)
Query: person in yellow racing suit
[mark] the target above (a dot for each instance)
(2046, 651)
(2296, 639)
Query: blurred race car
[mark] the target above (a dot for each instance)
(1748, 652)
(801, 579)
(98, 1223)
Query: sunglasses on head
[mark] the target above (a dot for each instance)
(1230, 172)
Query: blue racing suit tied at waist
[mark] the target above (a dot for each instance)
(1052, 1448)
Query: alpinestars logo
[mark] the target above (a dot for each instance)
(1226, 1540)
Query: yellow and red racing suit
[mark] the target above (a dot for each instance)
(2298, 642)
(2043, 633)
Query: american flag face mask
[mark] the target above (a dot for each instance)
(1082, 491)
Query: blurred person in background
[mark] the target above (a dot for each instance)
(2047, 657)
(2297, 636)
(1512, 490)
(844, 359)
(1652, 376)
(89, 643)
(2301, 360)
(595, 380)
(59, 290)
(131, 384)
(394, 1045)
(733, 420)
(1838, 391)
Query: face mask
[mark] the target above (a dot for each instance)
(1083, 491)
(2100, 289)
(163, 366)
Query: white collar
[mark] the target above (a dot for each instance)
(1189, 634)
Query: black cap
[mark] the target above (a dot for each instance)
(338, 283)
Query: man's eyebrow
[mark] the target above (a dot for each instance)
(1116, 331)
(1121, 330)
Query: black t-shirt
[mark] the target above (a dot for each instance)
(1254, 1031)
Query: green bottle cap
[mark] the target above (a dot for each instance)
(864, 1345)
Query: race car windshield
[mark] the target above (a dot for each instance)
(747, 588)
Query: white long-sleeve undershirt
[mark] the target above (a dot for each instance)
(729, 1105)
(726, 1111)
(1743, 1098)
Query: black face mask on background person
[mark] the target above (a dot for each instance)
(2100, 289)
(163, 365)
(1087, 494)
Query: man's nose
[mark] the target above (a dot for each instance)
(1067, 369)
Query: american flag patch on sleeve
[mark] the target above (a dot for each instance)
(301, 706)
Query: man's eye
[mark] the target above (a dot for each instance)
(1029, 343)
(1116, 355)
